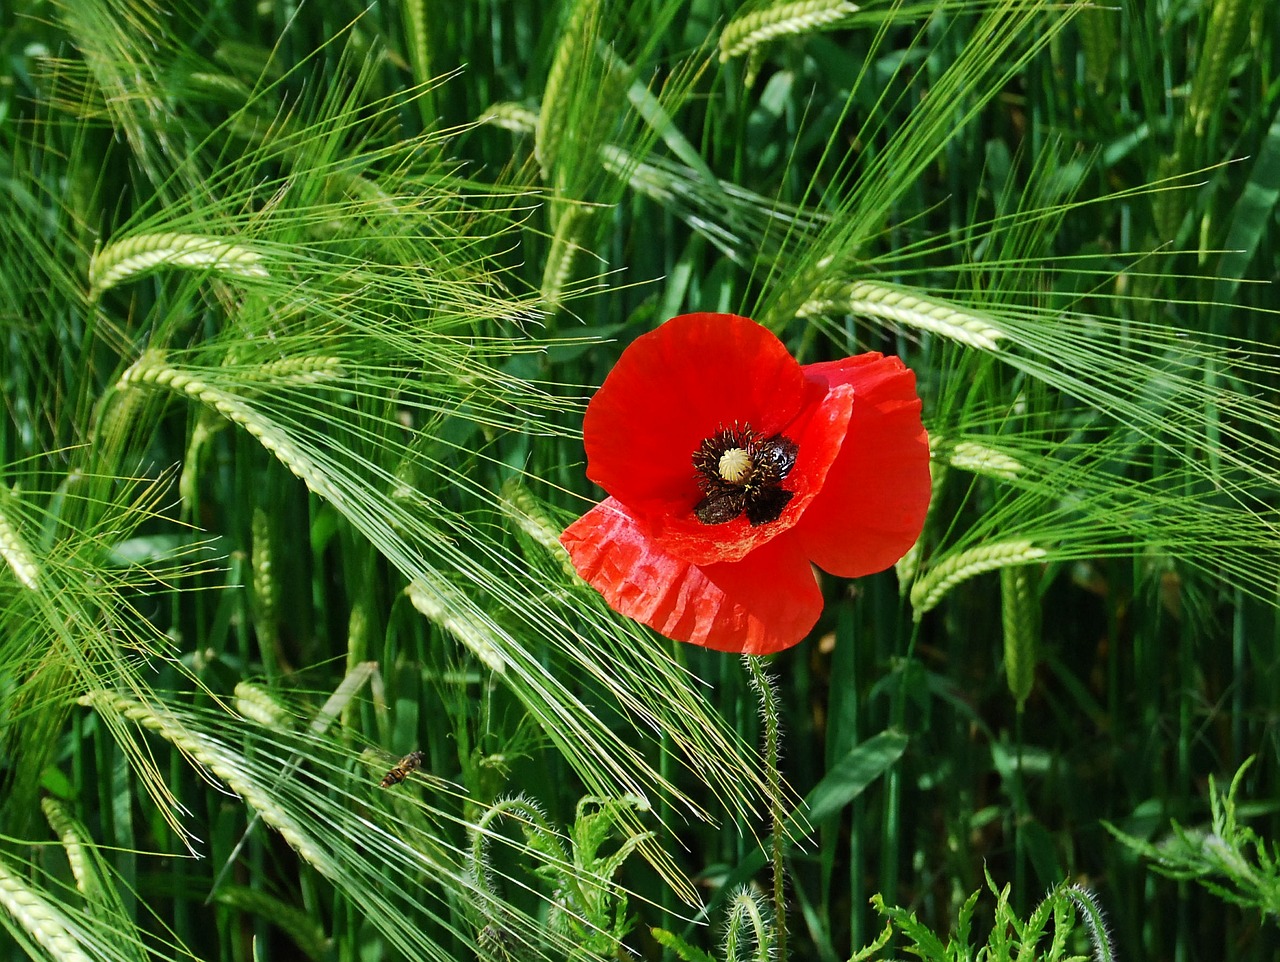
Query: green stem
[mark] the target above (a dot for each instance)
(769, 712)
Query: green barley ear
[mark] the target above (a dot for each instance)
(91, 871)
(134, 256)
(207, 424)
(586, 105)
(225, 765)
(568, 68)
(1223, 40)
(516, 118)
(13, 547)
(33, 920)
(572, 221)
(929, 590)
(304, 369)
(976, 458)
(895, 305)
(531, 519)
(71, 834)
(153, 370)
(257, 704)
(449, 608)
(1169, 204)
(749, 31)
(119, 413)
(418, 44)
(1099, 30)
(266, 586)
(908, 566)
(219, 87)
(1019, 612)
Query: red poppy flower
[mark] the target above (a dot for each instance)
(731, 468)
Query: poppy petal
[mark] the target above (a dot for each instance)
(762, 604)
(872, 507)
(675, 386)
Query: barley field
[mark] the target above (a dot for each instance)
(911, 594)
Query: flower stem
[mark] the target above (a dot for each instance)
(763, 684)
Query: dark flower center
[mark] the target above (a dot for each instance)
(741, 471)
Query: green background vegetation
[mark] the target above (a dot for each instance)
(301, 305)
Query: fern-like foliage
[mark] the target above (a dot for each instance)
(1227, 857)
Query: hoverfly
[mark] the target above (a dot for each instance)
(402, 769)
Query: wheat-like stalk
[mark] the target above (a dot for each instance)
(68, 832)
(452, 611)
(519, 504)
(219, 84)
(1099, 37)
(207, 424)
(743, 34)
(867, 299)
(980, 459)
(1222, 44)
(510, 116)
(976, 458)
(1018, 617)
(933, 587)
(908, 565)
(14, 550)
(38, 917)
(642, 177)
(558, 93)
(307, 369)
(564, 251)
(266, 587)
(134, 255)
(1168, 204)
(418, 38)
(1222, 41)
(152, 370)
(227, 766)
(257, 704)
(118, 415)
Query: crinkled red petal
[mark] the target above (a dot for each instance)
(768, 601)
(819, 433)
(872, 507)
(675, 386)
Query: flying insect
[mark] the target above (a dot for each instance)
(402, 770)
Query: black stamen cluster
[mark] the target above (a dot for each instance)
(759, 493)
